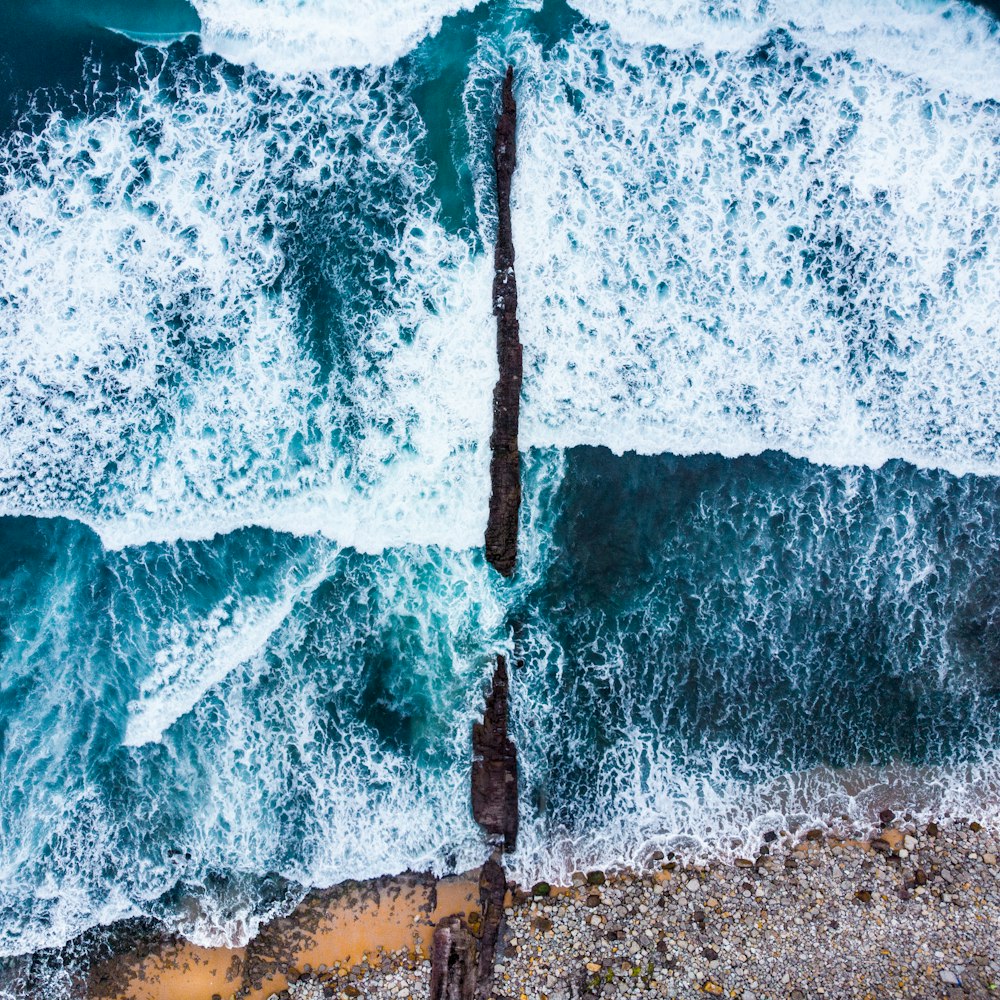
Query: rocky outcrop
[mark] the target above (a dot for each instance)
(462, 961)
(492, 890)
(462, 956)
(494, 765)
(505, 464)
(453, 961)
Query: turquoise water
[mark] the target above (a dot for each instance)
(246, 363)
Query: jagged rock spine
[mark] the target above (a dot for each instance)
(505, 463)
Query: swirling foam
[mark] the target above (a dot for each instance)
(774, 247)
(157, 378)
(713, 648)
(316, 731)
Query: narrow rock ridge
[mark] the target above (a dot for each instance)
(495, 809)
(462, 958)
(492, 892)
(505, 464)
(494, 765)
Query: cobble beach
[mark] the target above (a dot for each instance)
(912, 911)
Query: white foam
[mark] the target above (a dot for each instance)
(194, 656)
(301, 787)
(771, 616)
(156, 380)
(708, 815)
(290, 36)
(952, 45)
(665, 208)
(279, 766)
(75, 826)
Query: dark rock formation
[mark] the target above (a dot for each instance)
(462, 958)
(494, 765)
(492, 889)
(505, 464)
(453, 961)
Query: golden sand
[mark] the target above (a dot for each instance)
(348, 925)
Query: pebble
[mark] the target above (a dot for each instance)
(842, 922)
(825, 917)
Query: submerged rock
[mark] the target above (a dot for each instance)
(494, 765)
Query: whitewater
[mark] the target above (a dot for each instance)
(246, 363)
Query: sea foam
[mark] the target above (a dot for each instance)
(290, 36)
(777, 246)
(160, 378)
(950, 44)
(186, 722)
(738, 229)
(711, 648)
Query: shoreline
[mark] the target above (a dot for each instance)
(331, 935)
(901, 910)
(911, 910)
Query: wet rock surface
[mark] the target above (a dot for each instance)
(505, 466)
(494, 765)
(492, 890)
(453, 961)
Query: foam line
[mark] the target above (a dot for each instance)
(288, 36)
(194, 657)
(951, 45)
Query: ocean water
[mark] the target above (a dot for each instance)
(246, 364)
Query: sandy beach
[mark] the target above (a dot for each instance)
(336, 934)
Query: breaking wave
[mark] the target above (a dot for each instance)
(775, 247)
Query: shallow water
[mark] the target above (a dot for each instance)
(246, 363)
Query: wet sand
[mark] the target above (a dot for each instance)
(331, 932)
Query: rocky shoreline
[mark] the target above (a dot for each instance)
(909, 911)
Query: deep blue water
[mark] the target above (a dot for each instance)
(246, 364)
